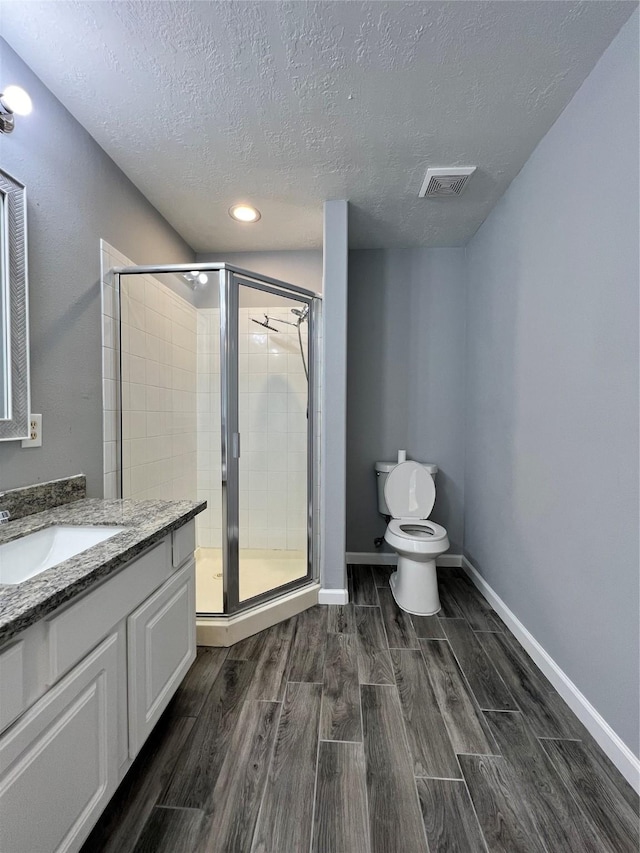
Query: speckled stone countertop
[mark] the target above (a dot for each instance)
(147, 522)
(27, 500)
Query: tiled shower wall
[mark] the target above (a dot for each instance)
(273, 426)
(209, 522)
(110, 257)
(158, 367)
(158, 391)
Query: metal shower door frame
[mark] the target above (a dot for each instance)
(230, 283)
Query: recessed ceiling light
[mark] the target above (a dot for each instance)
(244, 213)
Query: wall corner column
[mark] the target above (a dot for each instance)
(333, 579)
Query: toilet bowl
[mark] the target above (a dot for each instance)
(409, 495)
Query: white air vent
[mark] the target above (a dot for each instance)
(444, 183)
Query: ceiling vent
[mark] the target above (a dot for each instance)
(445, 183)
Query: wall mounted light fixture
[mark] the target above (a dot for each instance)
(13, 101)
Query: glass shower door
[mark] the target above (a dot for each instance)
(270, 445)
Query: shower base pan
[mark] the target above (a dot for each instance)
(261, 570)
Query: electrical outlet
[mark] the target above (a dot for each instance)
(35, 432)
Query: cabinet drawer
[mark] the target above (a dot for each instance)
(83, 624)
(161, 636)
(13, 698)
(58, 763)
(183, 543)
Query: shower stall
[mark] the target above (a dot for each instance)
(219, 401)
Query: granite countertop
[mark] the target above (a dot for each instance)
(147, 521)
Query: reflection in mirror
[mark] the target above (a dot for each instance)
(14, 334)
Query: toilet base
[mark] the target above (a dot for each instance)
(414, 587)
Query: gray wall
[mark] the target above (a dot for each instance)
(334, 395)
(551, 480)
(405, 379)
(75, 196)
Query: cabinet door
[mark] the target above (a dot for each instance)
(59, 762)
(161, 637)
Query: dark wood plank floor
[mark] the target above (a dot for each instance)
(360, 729)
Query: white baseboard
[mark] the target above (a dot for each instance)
(593, 721)
(384, 558)
(333, 596)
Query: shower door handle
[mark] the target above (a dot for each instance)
(235, 445)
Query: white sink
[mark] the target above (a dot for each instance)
(26, 557)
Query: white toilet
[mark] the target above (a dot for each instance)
(407, 492)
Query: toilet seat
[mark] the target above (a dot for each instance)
(432, 532)
(410, 491)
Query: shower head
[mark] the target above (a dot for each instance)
(301, 313)
(265, 324)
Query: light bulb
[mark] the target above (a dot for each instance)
(244, 213)
(203, 278)
(16, 100)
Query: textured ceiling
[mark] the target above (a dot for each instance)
(203, 104)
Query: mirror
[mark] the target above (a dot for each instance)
(14, 328)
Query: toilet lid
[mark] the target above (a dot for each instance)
(410, 491)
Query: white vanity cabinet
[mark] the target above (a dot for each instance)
(59, 762)
(161, 648)
(81, 690)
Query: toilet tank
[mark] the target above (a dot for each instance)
(382, 471)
